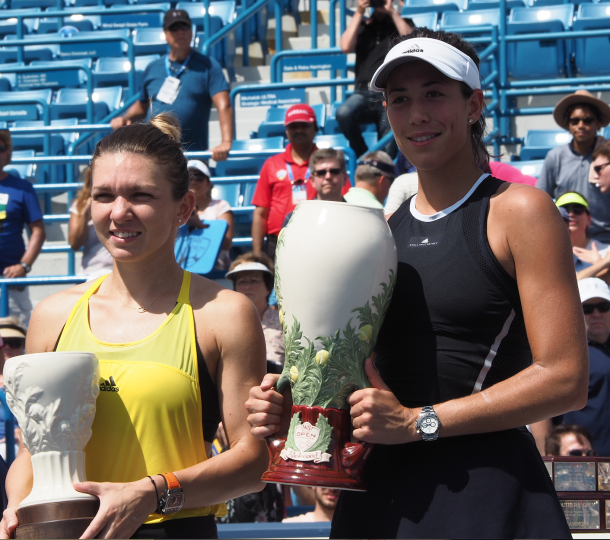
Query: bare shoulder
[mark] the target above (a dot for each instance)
(518, 205)
(211, 299)
(50, 316)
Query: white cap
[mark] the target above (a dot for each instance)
(593, 288)
(247, 267)
(200, 166)
(444, 57)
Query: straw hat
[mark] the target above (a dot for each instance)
(581, 97)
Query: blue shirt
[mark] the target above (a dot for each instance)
(596, 414)
(202, 79)
(18, 207)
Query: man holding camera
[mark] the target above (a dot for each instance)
(368, 38)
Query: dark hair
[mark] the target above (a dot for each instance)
(603, 150)
(158, 140)
(593, 108)
(325, 154)
(552, 444)
(477, 130)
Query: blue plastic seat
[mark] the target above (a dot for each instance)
(592, 54)
(15, 107)
(538, 142)
(9, 26)
(71, 102)
(422, 6)
(116, 19)
(30, 52)
(25, 4)
(80, 3)
(26, 171)
(93, 49)
(8, 81)
(149, 41)
(331, 126)
(427, 20)
(248, 190)
(464, 19)
(226, 192)
(248, 165)
(57, 79)
(114, 71)
(545, 59)
(495, 4)
(530, 168)
(76, 17)
(336, 140)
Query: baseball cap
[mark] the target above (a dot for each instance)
(173, 16)
(572, 198)
(200, 166)
(247, 267)
(593, 288)
(447, 59)
(300, 113)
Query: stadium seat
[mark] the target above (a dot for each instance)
(531, 168)
(412, 7)
(464, 19)
(71, 102)
(114, 71)
(248, 193)
(226, 192)
(427, 20)
(116, 19)
(538, 142)
(8, 81)
(16, 108)
(9, 26)
(95, 49)
(592, 54)
(538, 59)
(248, 165)
(27, 171)
(25, 4)
(80, 3)
(495, 4)
(57, 79)
(30, 52)
(149, 41)
(77, 18)
(331, 141)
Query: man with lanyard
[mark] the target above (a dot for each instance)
(186, 83)
(284, 179)
(368, 38)
(568, 167)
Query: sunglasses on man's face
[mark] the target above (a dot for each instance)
(602, 307)
(321, 173)
(587, 120)
(179, 26)
(577, 209)
(14, 343)
(582, 453)
(599, 168)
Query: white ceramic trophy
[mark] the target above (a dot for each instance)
(53, 395)
(335, 270)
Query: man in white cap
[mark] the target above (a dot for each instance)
(567, 167)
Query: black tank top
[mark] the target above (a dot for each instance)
(455, 324)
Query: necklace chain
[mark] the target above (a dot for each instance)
(141, 309)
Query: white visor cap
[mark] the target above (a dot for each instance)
(593, 288)
(447, 59)
(200, 166)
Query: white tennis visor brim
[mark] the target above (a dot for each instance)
(444, 57)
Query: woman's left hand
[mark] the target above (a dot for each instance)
(590, 256)
(123, 507)
(377, 416)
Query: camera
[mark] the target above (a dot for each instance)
(377, 3)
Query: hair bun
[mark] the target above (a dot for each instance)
(168, 124)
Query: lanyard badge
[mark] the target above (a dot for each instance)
(171, 86)
(299, 187)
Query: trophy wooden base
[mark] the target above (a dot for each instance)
(341, 464)
(64, 519)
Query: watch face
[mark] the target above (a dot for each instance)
(174, 502)
(429, 425)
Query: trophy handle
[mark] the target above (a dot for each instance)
(354, 455)
(275, 445)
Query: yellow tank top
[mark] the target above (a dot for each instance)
(148, 417)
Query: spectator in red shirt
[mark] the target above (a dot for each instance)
(285, 179)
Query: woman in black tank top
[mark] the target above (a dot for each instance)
(484, 334)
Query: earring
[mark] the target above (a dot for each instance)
(179, 221)
(470, 120)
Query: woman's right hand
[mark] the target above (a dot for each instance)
(9, 523)
(265, 406)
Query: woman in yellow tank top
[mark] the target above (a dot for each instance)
(177, 353)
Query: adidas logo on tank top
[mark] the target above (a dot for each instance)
(109, 385)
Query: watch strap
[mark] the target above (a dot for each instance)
(171, 481)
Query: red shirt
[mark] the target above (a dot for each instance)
(274, 187)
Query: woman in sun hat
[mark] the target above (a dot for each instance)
(484, 334)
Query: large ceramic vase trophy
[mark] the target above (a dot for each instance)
(335, 272)
(53, 397)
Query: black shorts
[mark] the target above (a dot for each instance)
(193, 527)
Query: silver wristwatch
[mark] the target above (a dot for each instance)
(428, 424)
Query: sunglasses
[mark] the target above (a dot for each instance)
(599, 168)
(321, 173)
(582, 453)
(179, 26)
(577, 209)
(587, 120)
(602, 307)
(14, 343)
(198, 177)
